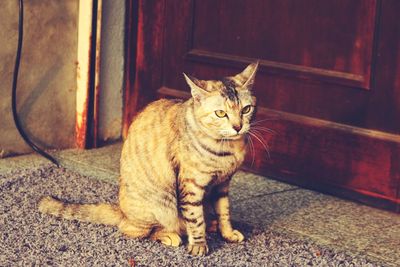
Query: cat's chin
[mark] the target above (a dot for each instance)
(233, 137)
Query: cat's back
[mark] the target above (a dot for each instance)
(153, 129)
(159, 113)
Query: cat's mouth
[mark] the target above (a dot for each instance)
(233, 136)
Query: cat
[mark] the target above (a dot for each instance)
(176, 165)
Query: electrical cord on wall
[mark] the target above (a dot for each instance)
(14, 89)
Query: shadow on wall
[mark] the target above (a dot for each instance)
(27, 107)
(47, 78)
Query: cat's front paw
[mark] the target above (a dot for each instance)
(197, 249)
(235, 236)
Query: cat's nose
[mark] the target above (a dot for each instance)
(237, 128)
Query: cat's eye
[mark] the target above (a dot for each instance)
(246, 109)
(220, 113)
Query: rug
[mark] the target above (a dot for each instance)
(29, 238)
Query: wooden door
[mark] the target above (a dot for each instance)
(328, 83)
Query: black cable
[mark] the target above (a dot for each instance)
(14, 88)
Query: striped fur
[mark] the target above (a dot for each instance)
(176, 165)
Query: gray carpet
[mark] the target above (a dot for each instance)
(28, 238)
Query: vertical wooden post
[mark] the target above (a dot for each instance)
(88, 70)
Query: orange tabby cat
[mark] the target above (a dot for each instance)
(176, 165)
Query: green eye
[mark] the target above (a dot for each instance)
(246, 109)
(220, 113)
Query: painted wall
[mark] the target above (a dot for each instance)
(47, 81)
(112, 70)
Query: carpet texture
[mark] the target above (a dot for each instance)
(29, 238)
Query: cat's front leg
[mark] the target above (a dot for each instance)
(191, 205)
(221, 205)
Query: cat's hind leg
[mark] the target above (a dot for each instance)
(169, 227)
(134, 230)
(166, 237)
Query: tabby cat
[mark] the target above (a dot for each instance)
(176, 166)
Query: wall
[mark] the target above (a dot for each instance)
(112, 70)
(47, 81)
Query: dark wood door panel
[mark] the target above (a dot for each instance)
(313, 38)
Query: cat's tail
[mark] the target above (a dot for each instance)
(103, 213)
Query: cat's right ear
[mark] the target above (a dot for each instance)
(196, 87)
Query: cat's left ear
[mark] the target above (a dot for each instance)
(246, 78)
(197, 87)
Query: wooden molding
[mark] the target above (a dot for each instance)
(274, 67)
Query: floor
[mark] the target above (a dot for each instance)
(262, 202)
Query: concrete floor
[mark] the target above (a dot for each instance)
(267, 204)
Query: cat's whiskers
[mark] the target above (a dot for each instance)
(254, 134)
(252, 149)
(265, 129)
(260, 135)
(222, 144)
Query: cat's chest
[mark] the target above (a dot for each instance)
(225, 166)
(212, 157)
(216, 180)
(227, 163)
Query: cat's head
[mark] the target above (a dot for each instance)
(224, 108)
